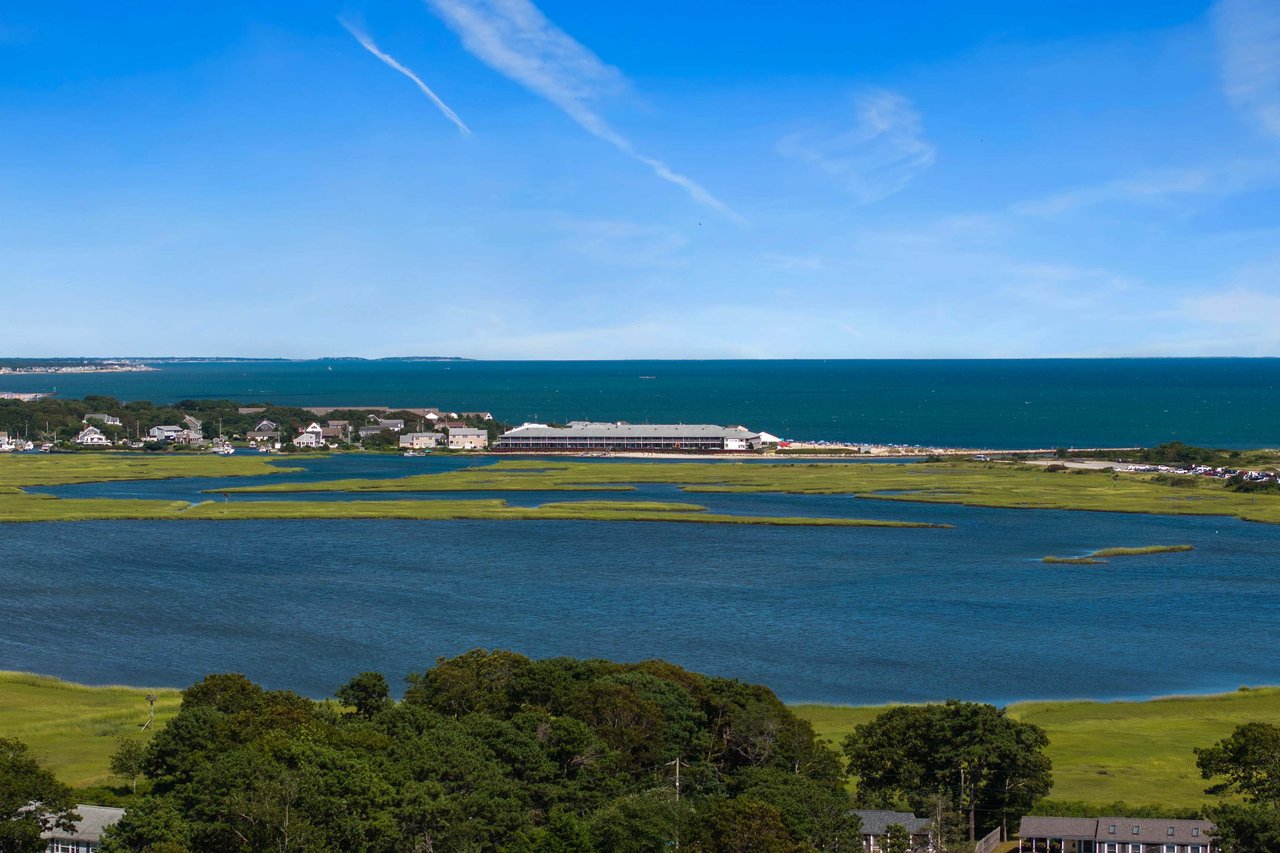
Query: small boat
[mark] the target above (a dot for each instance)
(414, 453)
(47, 447)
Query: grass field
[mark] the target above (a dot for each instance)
(17, 505)
(72, 728)
(1006, 485)
(56, 469)
(1104, 752)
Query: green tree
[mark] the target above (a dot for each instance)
(1246, 828)
(744, 825)
(367, 693)
(814, 811)
(640, 823)
(478, 681)
(129, 760)
(152, 825)
(994, 767)
(896, 839)
(1248, 762)
(32, 800)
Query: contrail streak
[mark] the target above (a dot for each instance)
(367, 44)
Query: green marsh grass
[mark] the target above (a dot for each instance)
(1104, 752)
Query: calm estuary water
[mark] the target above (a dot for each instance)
(1226, 402)
(841, 615)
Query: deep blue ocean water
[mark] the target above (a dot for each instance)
(971, 403)
(854, 615)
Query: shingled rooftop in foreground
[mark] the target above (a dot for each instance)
(582, 435)
(1115, 835)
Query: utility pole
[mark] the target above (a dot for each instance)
(677, 762)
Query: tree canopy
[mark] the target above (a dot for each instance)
(1247, 763)
(491, 751)
(32, 800)
(991, 766)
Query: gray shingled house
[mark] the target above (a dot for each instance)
(1114, 835)
(876, 822)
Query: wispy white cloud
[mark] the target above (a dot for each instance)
(793, 263)
(883, 152)
(368, 44)
(515, 39)
(1158, 187)
(1249, 38)
(1147, 187)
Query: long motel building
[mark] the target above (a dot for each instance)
(603, 437)
(1115, 835)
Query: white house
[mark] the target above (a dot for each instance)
(465, 438)
(92, 437)
(307, 438)
(420, 440)
(109, 420)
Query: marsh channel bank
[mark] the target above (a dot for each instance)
(858, 615)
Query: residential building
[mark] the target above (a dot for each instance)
(420, 440)
(876, 822)
(266, 425)
(91, 436)
(465, 438)
(393, 424)
(193, 424)
(271, 437)
(309, 439)
(582, 435)
(87, 835)
(1114, 835)
(166, 432)
(108, 420)
(174, 433)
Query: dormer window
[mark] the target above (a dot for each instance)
(1136, 829)
(1195, 830)
(1112, 830)
(1170, 831)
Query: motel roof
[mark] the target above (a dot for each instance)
(1145, 830)
(583, 429)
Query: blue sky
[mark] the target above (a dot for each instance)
(658, 179)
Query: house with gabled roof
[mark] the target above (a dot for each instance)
(876, 823)
(1043, 834)
(91, 436)
(86, 836)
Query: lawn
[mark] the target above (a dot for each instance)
(73, 728)
(1104, 752)
(1005, 485)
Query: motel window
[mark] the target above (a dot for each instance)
(1171, 848)
(1135, 848)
